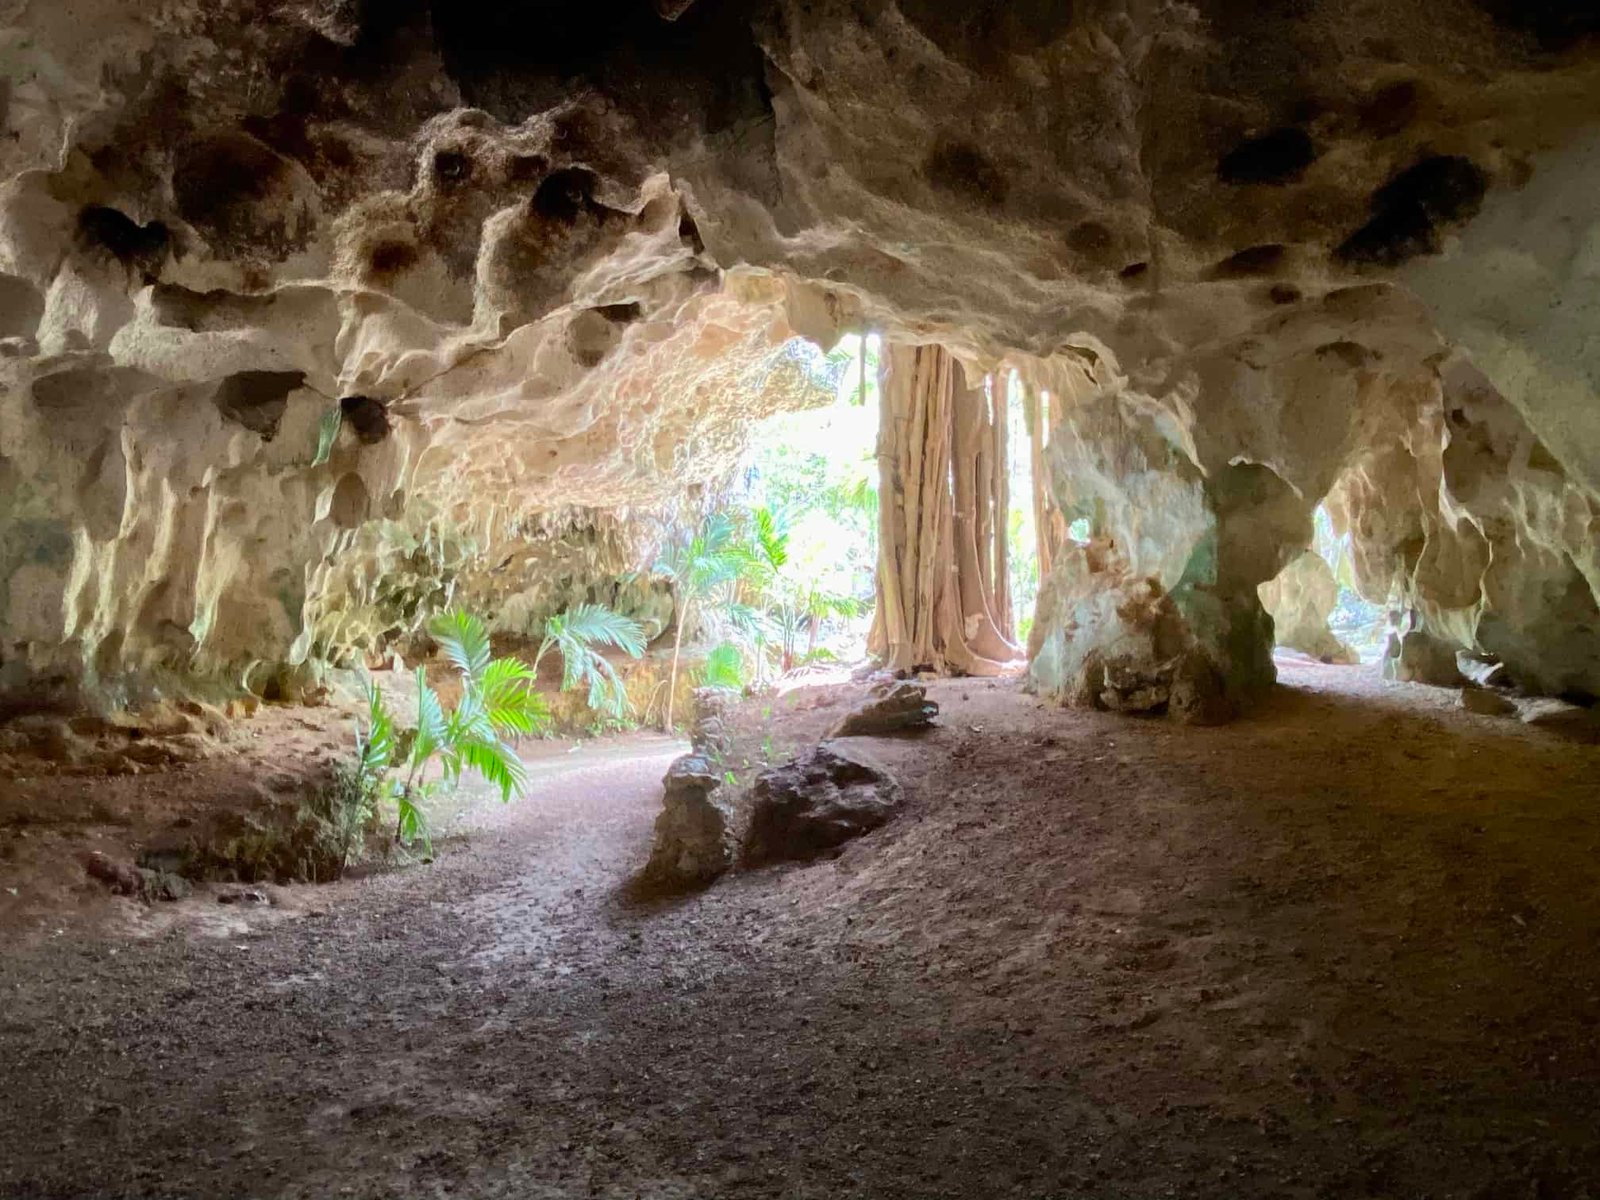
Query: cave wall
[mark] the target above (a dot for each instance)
(536, 259)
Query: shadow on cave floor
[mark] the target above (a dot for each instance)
(1343, 948)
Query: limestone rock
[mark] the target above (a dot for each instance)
(1300, 598)
(892, 706)
(817, 802)
(1418, 657)
(1486, 703)
(693, 835)
(709, 733)
(311, 313)
(1485, 672)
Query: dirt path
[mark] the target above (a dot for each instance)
(1345, 948)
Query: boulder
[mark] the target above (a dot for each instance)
(693, 838)
(1418, 657)
(1481, 670)
(817, 802)
(1486, 703)
(892, 706)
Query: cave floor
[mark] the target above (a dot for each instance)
(1344, 948)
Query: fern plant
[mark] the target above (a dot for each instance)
(577, 634)
(497, 705)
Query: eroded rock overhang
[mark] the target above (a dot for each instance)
(540, 258)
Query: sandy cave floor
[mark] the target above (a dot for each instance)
(1344, 948)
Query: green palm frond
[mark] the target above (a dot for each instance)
(509, 703)
(771, 538)
(820, 604)
(607, 693)
(498, 764)
(464, 639)
(748, 621)
(327, 434)
(575, 633)
(723, 669)
(375, 747)
(595, 624)
(497, 700)
(431, 730)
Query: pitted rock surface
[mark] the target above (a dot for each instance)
(693, 835)
(816, 803)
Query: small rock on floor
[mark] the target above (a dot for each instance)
(892, 706)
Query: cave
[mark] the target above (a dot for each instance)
(800, 598)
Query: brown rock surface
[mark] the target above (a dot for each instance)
(892, 706)
(814, 804)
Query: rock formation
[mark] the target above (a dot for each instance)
(816, 803)
(693, 835)
(297, 298)
(1300, 598)
(893, 706)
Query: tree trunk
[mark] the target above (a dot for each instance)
(943, 596)
(1050, 529)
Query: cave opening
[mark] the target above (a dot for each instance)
(799, 598)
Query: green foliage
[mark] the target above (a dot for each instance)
(498, 702)
(327, 434)
(711, 557)
(794, 597)
(723, 669)
(705, 570)
(576, 634)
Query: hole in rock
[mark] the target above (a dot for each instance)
(257, 399)
(367, 416)
(1315, 604)
(620, 314)
(525, 168)
(963, 168)
(217, 180)
(1276, 157)
(130, 243)
(1252, 260)
(451, 167)
(689, 232)
(566, 194)
(1408, 209)
(809, 490)
(1391, 109)
(1557, 24)
(391, 257)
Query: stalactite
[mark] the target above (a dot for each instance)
(943, 593)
